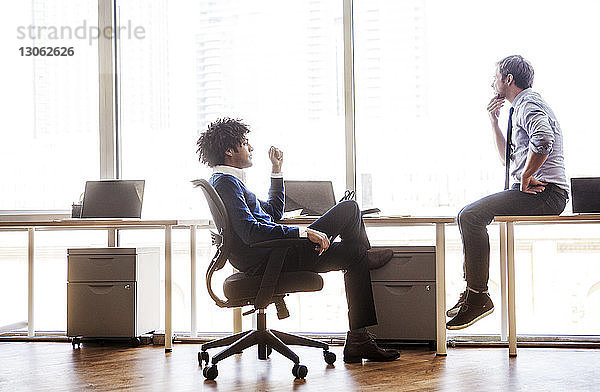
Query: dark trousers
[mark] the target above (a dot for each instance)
(473, 219)
(349, 254)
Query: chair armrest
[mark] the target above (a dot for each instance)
(273, 268)
(280, 243)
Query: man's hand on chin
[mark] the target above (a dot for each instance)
(531, 185)
(276, 157)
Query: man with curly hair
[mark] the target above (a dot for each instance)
(534, 149)
(225, 147)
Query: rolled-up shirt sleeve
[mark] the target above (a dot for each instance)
(537, 125)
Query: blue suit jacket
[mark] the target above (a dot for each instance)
(252, 219)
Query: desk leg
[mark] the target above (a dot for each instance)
(112, 238)
(237, 320)
(237, 317)
(503, 294)
(440, 286)
(30, 282)
(168, 287)
(512, 323)
(194, 327)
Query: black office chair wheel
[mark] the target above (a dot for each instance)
(210, 372)
(76, 342)
(136, 342)
(299, 371)
(329, 357)
(202, 356)
(269, 351)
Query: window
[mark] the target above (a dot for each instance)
(424, 146)
(278, 66)
(422, 76)
(49, 143)
(50, 134)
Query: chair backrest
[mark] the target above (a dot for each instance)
(221, 239)
(217, 208)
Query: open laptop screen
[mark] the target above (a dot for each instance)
(113, 199)
(586, 194)
(313, 197)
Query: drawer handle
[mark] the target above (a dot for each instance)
(101, 289)
(398, 289)
(101, 258)
(401, 259)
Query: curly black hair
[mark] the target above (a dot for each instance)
(221, 135)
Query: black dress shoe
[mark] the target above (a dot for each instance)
(362, 345)
(379, 257)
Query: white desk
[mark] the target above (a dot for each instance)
(507, 264)
(440, 259)
(111, 226)
(168, 225)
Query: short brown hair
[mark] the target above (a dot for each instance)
(519, 68)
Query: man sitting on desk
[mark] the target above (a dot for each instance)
(534, 148)
(225, 148)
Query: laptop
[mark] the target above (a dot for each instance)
(313, 197)
(586, 195)
(113, 199)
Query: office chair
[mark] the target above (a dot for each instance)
(258, 291)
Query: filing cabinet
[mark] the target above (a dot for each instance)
(404, 294)
(112, 292)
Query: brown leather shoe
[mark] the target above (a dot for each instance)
(379, 257)
(362, 345)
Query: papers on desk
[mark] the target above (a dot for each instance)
(292, 214)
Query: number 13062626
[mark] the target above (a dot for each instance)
(47, 51)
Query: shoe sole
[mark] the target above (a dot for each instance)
(454, 327)
(360, 359)
(353, 360)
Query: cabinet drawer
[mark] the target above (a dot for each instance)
(408, 264)
(101, 309)
(101, 267)
(405, 311)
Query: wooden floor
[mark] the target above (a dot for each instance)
(40, 366)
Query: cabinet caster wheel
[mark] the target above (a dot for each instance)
(203, 357)
(136, 342)
(76, 342)
(299, 371)
(329, 357)
(210, 372)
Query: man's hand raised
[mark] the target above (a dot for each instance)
(493, 108)
(318, 238)
(276, 157)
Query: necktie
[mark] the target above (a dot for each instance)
(508, 149)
